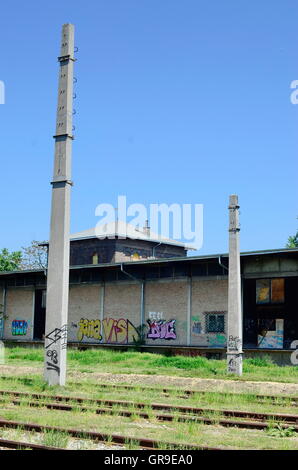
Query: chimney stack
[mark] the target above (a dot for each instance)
(146, 228)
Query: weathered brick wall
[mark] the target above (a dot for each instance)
(20, 314)
(105, 314)
(121, 313)
(208, 296)
(110, 250)
(82, 251)
(166, 312)
(84, 309)
(111, 313)
(125, 249)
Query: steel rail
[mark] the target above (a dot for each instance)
(189, 393)
(185, 392)
(284, 418)
(25, 445)
(97, 436)
(287, 418)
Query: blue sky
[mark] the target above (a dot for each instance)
(177, 102)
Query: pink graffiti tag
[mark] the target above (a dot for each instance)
(161, 329)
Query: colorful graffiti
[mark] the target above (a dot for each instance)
(109, 331)
(161, 329)
(119, 331)
(217, 340)
(19, 328)
(90, 329)
(271, 341)
(196, 328)
(272, 334)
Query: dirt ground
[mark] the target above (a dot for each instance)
(220, 385)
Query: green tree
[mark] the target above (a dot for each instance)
(293, 241)
(10, 261)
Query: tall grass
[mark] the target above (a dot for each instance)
(54, 438)
(133, 362)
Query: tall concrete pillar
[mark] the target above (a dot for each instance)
(58, 259)
(234, 341)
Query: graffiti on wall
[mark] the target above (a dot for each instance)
(155, 316)
(161, 329)
(58, 334)
(217, 340)
(271, 334)
(235, 363)
(56, 337)
(234, 343)
(109, 331)
(196, 328)
(119, 331)
(89, 328)
(196, 325)
(19, 328)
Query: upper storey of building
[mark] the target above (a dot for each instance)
(121, 242)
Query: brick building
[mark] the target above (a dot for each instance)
(116, 242)
(176, 302)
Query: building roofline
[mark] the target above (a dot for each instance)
(119, 237)
(162, 260)
(186, 258)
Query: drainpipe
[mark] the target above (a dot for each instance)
(47, 262)
(4, 312)
(128, 274)
(142, 307)
(142, 296)
(222, 265)
(154, 248)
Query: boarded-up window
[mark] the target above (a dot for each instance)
(270, 291)
(263, 291)
(277, 291)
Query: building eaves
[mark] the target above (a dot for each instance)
(163, 260)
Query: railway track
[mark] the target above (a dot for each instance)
(293, 418)
(252, 424)
(158, 411)
(184, 393)
(143, 443)
(17, 445)
(180, 413)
